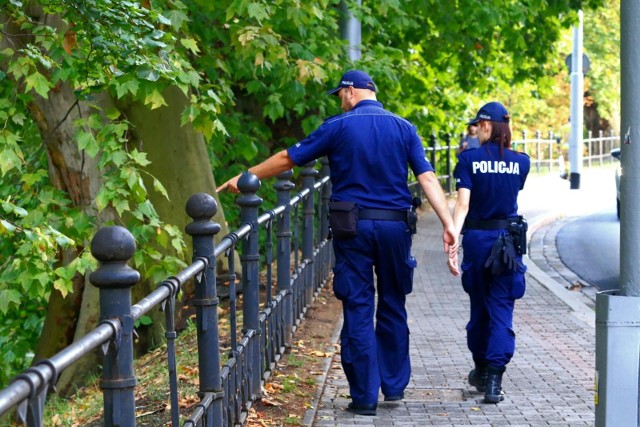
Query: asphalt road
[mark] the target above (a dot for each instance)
(588, 236)
(590, 247)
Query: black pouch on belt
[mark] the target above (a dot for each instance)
(343, 219)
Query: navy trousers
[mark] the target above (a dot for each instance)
(375, 356)
(490, 335)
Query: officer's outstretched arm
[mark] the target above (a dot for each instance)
(274, 165)
(431, 187)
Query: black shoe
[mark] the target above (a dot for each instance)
(478, 378)
(366, 409)
(493, 389)
(394, 398)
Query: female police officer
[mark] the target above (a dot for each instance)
(488, 180)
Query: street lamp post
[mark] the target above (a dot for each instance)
(577, 107)
(618, 312)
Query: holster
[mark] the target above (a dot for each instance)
(343, 219)
(412, 220)
(518, 230)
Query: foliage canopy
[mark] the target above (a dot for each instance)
(254, 73)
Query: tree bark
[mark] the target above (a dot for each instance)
(179, 159)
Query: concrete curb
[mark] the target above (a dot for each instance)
(310, 415)
(572, 299)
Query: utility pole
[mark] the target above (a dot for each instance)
(351, 30)
(618, 312)
(577, 106)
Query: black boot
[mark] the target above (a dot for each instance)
(493, 388)
(478, 376)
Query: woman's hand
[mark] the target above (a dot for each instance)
(452, 263)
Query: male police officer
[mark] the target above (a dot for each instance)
(488, 180)
(369, 151)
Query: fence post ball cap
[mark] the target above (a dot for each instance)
(113, 243)
(201, 206)
(248, 183)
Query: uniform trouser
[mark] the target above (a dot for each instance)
(490, 335)
(375, 357)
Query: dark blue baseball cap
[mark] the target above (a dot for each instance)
(493, 111)
(356, 78)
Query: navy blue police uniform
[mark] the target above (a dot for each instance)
(370, 151)
(494, 180)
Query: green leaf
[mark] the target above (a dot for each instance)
(8, 297)
(157, 185)
(190, 44)
(155, 100)
(163, 20)
(139, 157)
(178, 244)
(37, 82)
(62, 286)
(87, 142)
(8, 226)
(121, 206)
(274, 108)
(257, 11)
(9, 161)
(148, 74)
(143, 321)
(127, 87)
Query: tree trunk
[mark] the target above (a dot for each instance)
(179, 159)
(77, 174)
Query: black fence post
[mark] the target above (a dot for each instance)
(326, 260)
(308, 174)
(283, 188)
(324, 203)
(432, 145)
(201, 208)
(113, 247)
(249, 184)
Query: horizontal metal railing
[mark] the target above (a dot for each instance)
(547, 153)
(302, 255)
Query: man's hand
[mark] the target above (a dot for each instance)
(231, 185)
(450, 239)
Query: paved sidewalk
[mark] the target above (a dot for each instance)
(550, 379)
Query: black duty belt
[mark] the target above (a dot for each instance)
(488, 224)
(382, 214)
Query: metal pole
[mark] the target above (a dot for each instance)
(249, 184)
(618, 312)
(351, 30)
(308, 174)
(201, 208)
(283, 187)
(630, 147)
(113, 247)
(577, 106)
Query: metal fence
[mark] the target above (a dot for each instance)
(548, 154)
(296, 242)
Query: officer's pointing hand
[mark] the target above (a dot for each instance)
(231, 185)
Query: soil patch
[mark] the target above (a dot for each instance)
(291, 391)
